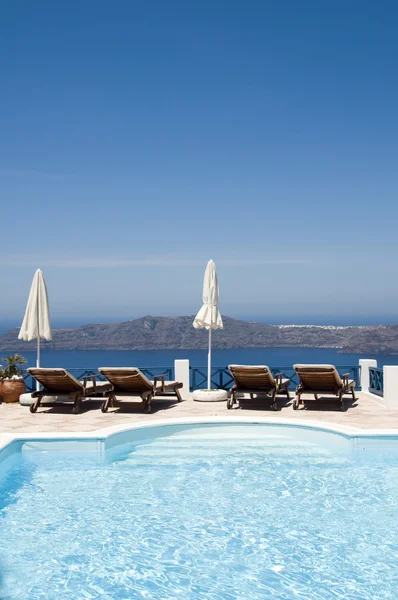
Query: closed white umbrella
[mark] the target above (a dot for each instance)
(36, 322)
(209, 316)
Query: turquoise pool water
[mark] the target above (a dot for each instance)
(240, 512)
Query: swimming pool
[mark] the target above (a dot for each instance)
(215, 512)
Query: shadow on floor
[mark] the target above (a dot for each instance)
(324, 403)
(327, 403)
(137, 407)
(262, 402)
(125, 406)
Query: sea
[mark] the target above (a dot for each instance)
(274, 357)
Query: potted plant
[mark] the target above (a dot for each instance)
(11, 377)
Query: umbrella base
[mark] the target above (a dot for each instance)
(209, 395)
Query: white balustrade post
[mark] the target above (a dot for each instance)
(390, 396)
(365, 363)
(181, 373)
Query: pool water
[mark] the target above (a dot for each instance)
(238, 512)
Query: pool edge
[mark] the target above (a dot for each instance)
(102, 435)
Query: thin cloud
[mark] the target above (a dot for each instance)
(262, 262)
(106, 263)
(31, 173)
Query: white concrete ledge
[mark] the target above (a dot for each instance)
(6, 440)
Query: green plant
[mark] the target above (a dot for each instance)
(13, 368)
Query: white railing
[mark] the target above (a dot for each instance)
(380, 383)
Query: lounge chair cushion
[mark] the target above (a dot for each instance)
(57, 380)
(126, 379)
(61, 382)
(252, 377)
(319, 377)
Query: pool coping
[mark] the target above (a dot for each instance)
(100, 435)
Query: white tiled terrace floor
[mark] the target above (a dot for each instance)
(364, 413)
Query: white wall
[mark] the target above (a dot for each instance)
(390, 397)
(365, 363)
(390, 375)
(181, 373)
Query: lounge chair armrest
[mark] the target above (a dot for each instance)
(93, 379)
(278, 377)
(35, 394)
(161, 379)
(346, 374)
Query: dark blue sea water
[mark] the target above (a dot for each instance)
(274, 357)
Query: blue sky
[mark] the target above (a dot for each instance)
(139, 139)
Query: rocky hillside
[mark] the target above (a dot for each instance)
(161, 333)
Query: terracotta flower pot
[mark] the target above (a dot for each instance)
(11, 389)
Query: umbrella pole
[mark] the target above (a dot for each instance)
(38, 341)
(38, 361)
(209, 363)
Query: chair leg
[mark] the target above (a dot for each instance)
(353, 393)
(274, 400)
(33, 407)
(107, 403)
(296, 401)
(178, 394)
(147, 403)
(77, 405)
(287, 392)
(231, 399)
(316, 396)
(341, 398)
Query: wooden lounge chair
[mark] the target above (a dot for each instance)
(257, 380)
(128, 382)
(58, 382)
(322, 379)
